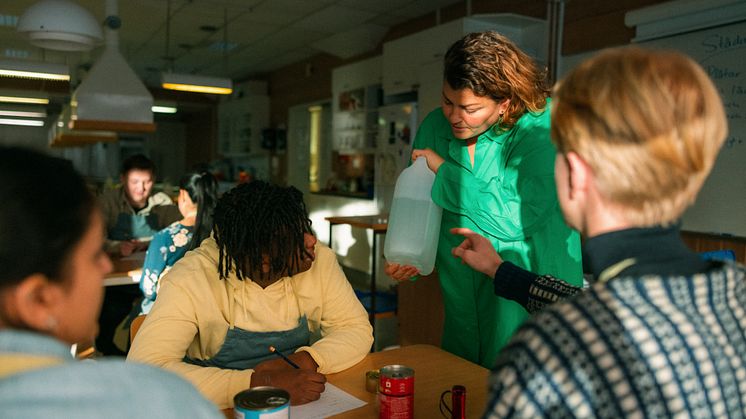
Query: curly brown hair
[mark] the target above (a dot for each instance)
(492, 65)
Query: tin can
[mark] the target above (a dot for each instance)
(262, 402)
(396, 392)
(371, 381)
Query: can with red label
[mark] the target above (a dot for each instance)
(396, 392)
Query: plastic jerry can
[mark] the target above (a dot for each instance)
(414, 220)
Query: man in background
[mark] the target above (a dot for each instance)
(132, 214)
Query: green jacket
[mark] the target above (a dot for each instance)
(509, 196)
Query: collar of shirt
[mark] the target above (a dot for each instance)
(20, 341)
(655, 250)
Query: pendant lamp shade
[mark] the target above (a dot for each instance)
(61, 25)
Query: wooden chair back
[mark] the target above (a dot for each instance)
(135, 326)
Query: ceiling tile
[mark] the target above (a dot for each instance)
(379, 6)
(295, 8)
(422, 7)
(284, 59)
(268, 33)
(388, 20)
(334, 19)
(357, 41)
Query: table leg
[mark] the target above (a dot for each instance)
(373, 282)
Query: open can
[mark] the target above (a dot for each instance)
(262, 402)
(396, 392)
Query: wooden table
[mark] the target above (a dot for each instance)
(125, 271)
(378, 224)
(435, 371)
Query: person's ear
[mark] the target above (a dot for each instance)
(580, 174)
(503, 106)
(34, 303)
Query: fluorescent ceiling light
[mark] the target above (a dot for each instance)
(34, 70)
(23, 113)
(199, 84)
(14, 99)
(22, 122)
(163, 109)
(60, 25)
(24, 99)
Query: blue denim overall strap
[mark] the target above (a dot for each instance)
(243, 349)
(132, 226)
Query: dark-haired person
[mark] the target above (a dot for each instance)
(262, 280)
(53, 263)
(661, 333)
(198, 194)
(493, 160)
(132, 215)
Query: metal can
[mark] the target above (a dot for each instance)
(262, 402)
(371, 381)
(396, 392)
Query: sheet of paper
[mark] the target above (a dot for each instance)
(333, 401)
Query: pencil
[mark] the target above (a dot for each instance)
(278, 353)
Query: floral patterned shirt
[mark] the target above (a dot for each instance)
(167, 246)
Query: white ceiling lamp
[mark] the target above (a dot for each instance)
(112, 97)
(192, 82)
(34, 70)
(60, 25)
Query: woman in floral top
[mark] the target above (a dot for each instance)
(197, 197)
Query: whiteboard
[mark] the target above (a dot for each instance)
(721, 205)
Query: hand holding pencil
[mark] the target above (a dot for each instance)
(299, 360)
(280, 354)
(295, 373)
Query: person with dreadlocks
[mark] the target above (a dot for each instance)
(261, 280)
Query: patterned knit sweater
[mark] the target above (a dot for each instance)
(635, 346)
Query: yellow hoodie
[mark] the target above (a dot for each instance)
(195, 309)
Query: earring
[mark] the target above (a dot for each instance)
(51, 323)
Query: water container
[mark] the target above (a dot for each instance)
(414, 220)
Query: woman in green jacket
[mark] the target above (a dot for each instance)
(489, 147)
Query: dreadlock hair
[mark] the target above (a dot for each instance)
(259, 219)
